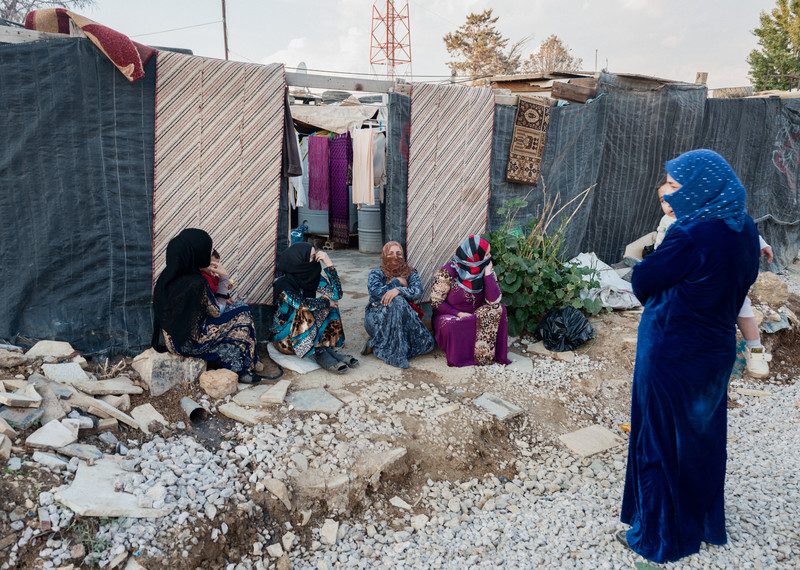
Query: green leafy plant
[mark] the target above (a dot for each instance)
(530, 268)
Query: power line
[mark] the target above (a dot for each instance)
(365, 73)
(175, 29)
(434, 13)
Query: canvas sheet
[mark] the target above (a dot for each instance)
(76, 189)
(219, 134)
(448, 172)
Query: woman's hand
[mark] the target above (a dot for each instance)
(403, 281)
(768, 252)
(389, 296)
(323, 258)
(463, 315)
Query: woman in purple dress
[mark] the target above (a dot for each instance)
(469, 321)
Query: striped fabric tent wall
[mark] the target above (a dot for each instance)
(219, 133)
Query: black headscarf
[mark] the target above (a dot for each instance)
(178, 304)
(298, 274)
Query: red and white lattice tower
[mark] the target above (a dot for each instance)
(390, 45)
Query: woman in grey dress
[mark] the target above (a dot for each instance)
(393, 321)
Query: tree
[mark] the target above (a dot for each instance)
(16, 10)
(479, 49)
(553, 55)
(776, 63)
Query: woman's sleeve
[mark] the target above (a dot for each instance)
(210, 302)
(414, 290)
(296, 301)
(376, 284)
(441, 289)
(329, 284)
(667, 266)
(493, 293)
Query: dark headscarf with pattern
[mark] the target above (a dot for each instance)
(298, 274)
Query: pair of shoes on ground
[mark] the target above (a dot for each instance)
(333, 361)
(758, 360)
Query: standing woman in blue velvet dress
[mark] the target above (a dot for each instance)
(691, 287)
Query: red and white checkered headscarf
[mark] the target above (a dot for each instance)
(470, 261)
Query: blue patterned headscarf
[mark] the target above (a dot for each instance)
(710, 189)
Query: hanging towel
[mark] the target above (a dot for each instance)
(298, 197)
(363, 178)
(341, 158)
(319, 189)
(290, 155)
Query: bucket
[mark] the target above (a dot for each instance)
(370, 232)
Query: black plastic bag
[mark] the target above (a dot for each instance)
(564, 329)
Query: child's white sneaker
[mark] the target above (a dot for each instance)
(758, 361)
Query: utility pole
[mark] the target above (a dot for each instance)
(225, 29)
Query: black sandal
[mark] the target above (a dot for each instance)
(329, 362)
(622, 538)
(250, 378)
(367, 348)
(264, 366)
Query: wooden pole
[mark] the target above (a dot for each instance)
(225, 29)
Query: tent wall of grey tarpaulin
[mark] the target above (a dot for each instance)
(618, 144)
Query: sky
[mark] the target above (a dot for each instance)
(666, 38)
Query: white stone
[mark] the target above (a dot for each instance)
(52, 435)
(162, 371)
(49, 460)
(275, 550)
(591, 440)
(54, 348)
(219, 383)
(113, 387)
(238, 413)
(280, 491)
(276, 394)
(289, 539)
(25, 397)
(419, 522)
(147, 414)
(498, 407)
(329, 532)
(314, 400)
(400, 503)
(66, 373)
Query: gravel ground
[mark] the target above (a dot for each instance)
(561, 512)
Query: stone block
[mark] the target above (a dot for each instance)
(498, 407)
(83, 451)
(237, 413)
(21, 418)
(250, 397)
(329, 532)
(52, 435)
(314, 400)
(54, 348)
(113, 387)
(276, 394)
(591, 440)
(163, 371)
(50, 460)
(26, 397)
(66, 373)
(145, 415)
(219, 383)
(9, 359)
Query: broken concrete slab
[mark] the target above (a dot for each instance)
(345, 396)
(113, 387)
(280, 491)
(292, 362)
(50, 460)
(21, 418)
(11, 347)
(121, 402)
(450, 408)
(538, 348)
(566, 356)
(65, 373)
(591, 440)
(54, 348)
(145, 415)
(10, 359)
(498, 407)
(51, 405)
(161, 371)
(62, 392)
(251, 396)
(52, 435)
(219, 383)
(371, 466)
(26, 397)
(83, 451)
(100, 408)
(6, 429)
(314, 400)
(237, 413)
(521, 364)
(93, 493)
(276, 394)
(5, 448)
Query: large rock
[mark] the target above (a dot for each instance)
(10, 359)
(329, 531)
(21, 418)
(769, 290)
(26, 397)
(219, 383)
(314, 400)
(146, 415)
(54, 348)
(52, 435)
(93, 493)
(163, 371)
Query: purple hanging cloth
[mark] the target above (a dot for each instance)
(319, 189)
(341, 159)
